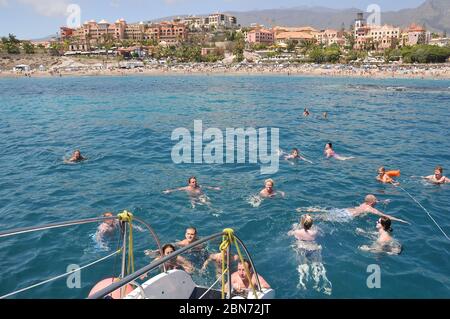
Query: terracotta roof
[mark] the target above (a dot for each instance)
(294, 35)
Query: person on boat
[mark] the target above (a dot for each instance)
(107, 227)
(217, 260)
(329, 152)
(305, 233)
(193, 188)
(344, 215)
(268, 190)
(438, 177)
(241, 283)
(384, 242)
(295, 155)
(384, 178)
(178, 262)
(76, 157)
(306, 112)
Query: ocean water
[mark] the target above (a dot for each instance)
(124, 126)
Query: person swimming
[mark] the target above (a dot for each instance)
(193, 188)
(438, 177)
(305, 233)
(107, 228)
(309, 255)
(325, 115)
(384, 242)
(216, 258)
(329, 152)
(195, 191)
(306, 112)
(178, 262)
(268, 191)
(295, 155)
(76, 157)
(384, 178)
(343, 215)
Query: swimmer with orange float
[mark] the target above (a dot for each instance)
(385, 177)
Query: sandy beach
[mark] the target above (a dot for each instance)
(63, 66)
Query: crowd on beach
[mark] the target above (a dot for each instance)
(441, 71)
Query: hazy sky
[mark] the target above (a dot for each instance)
(29, 19)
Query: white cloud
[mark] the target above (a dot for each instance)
(47, 8)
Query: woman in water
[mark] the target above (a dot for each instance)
(76, 157)
(384, 242)
(309, 255)
(177, 262)
(295, 155)
(329, 152)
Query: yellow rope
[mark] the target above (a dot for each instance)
(228, 239)
(126, 216)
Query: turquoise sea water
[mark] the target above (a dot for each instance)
(124, 127)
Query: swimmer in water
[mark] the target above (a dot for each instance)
(268, 190)
(177, 262)
(329, 152)
(106, 228)
(305, 233)
(241, 283)
(438, 178)
(306, 112)
(295, 154)
(193, 188)
(310, 257)
(217, 260)
(384, 242)
(368, 207)
(385, 178)
(76, 157)
(325, 115)
(190, 237)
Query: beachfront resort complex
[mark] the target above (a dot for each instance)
(220, 38)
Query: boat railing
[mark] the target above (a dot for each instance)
(156, 263)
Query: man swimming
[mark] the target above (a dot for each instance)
(268, 190)
(217, 260)
(385, 178)
(241, 284)
(368, 207)
(329, 152)
(306, 112)
(438, 178)
(193, 188)
(76, 157)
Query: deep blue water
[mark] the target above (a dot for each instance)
(124, 127)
